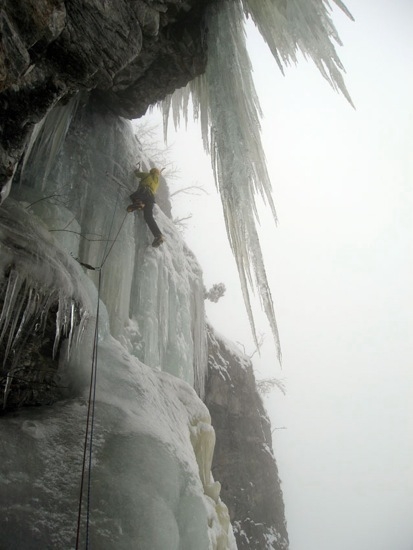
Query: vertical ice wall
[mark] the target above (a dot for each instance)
(77, 175)
(151, 482)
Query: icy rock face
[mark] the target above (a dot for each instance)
(243, 460)
(77, 176)
(152, 439)
(41, 303)
(151, 484)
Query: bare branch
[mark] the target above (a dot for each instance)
(179, 221)
(280, 428)
(257, 349)
(188, 190)
(266, 385)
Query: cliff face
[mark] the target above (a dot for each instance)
(76, 179)
(68, 202)
(243, 460)
(130, 54)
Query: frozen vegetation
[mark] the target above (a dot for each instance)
(225, 101)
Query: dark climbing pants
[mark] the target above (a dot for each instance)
(146, 196)
(148, 215)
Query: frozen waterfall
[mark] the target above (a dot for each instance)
(226, 102)
(78, 181)
(151, 481)
(151, 486)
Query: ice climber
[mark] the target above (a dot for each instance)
(144, 199)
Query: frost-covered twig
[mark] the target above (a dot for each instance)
(215, 293)
(179, 221)
(259, 343)
(189, 190)
(266, 385)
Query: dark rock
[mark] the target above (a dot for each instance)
(243, 461)
(130, 54)
(27, 27)
(29, 369)
(176, 56)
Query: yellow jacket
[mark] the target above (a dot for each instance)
(149, 179)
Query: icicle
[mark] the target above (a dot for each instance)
(28, 321)
(200, 360)
(10, 296)
(13, 338)
(59, 323)
(80, 330)
(25, 312)
(65, 323)
(229, 113)
(7, 388)
(49, 135)
(231, 133)
(300, 25)
(72, 325)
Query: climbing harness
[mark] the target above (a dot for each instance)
(90, 420)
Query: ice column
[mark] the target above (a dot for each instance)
(78, 183)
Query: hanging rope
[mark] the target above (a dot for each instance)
(113, 242)
(105, 255)
(92, 423)
(90, 420)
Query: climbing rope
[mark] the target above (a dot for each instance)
(90, 419)
(89, 431)
(113, 242)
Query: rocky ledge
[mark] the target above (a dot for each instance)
(243, 460)
(129, 54)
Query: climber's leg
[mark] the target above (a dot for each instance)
(148, 215)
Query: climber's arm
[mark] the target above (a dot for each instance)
(139, 174)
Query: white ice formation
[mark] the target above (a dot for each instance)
(226, 102)
(151, 481)
(151, 476)
(80, 189)
(151, 486)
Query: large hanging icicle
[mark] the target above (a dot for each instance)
(225, 101)
(231, 134)
(300, 25)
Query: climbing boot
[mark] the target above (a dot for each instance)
(158, 241)
(138, 205)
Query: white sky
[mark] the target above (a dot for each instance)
(340, 266)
